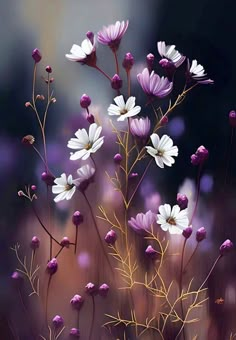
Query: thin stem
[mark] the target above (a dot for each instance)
(116, 61)
(198, 192)
(193, 253)
(228, 157)
(101, 71)
(211, 270)
(32, 261)
(181, 282)
(92, 322)
(128, 82)
(47, 295)
(76, 238)
(59, 252)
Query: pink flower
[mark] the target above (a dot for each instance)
(112, 34)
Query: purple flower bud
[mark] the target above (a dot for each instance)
(150, 61)
(182, 201)
(57, 321)
(33, 187)
(111, 237)
(140, 127)
(36, 55)
(77, 218)
(77, 302)
(116, 82)
(85, 101)
(194, 160)
(65, 242)
(103, 290)
(226, 247)
(17, 279)
(202, 153)
(90, 118)
(201, 234)
(52, 266)
(90, 36)
(151, 253)
(128, 61)
(16, 276)
(35, 242)
(75, 333)
(48, 178)
(48, 69)
(91, 289)
(187, 232)
(232, 118)
(117, 158)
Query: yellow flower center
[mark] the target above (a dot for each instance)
(160, 153)
(88, 146)
(68, 187)
(171, 221)
(123, 112)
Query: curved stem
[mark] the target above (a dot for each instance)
(101, 71)
(198, 192)
(92, 322)
(211, 270)
(193, 253)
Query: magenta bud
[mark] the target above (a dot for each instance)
(128, 61)
(201, 234)
(182, 201)
(48, 178)
(103, 290)
(77, 302)
(226, 247)
(202, 153)
(35, 242)
(90, 36)
(90, 118)
(194, 160)
(65, 242)
(85, 101)
(164, 120)
(117, 158)
(74, 333)
(52, 266)
(150, 60)
(77, 218)
(48, 69)
(116, 82)
(36, 55)
(232, 118)
(57, 321)
(111, 237)
(187, 232)
(151, 253)
(33, 187)
(17, 279)
(91, 289)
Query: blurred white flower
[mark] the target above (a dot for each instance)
(122, 109)
(174, 220)
(81, 53)
(64, 187)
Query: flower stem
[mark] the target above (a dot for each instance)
(128, 82)
(198, 192)
(76, 238)
(193, 253)
(59, 252)
(228, 157)
(92, 322)
(181, 282)
(101, 71)
(47, 295)
(116, 61)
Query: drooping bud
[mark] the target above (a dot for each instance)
(65, 242)
(151, 253)
(28, 140)
(90, 118)
(74, 333)
(85, 101)
(187, 232)
(116, 82)
(57, 321)
(201, 234)
(232, 118)
(77, 218)
(48, 69)
(182, 201)
(111, 237)
(117, 158)
(91, 289)
(36, 55)
(103, 290)
(35, 242)
(52, 266)
(77, 302)
(128, 62)
(226, 247)
(48, 178)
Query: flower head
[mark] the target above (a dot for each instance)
(201, 234)
(173, 219)
(111, 237)
(123, 110)
(65, 242)
(64, 187)
(151, 253)
(77, 218)
(140, 127)
(85, 101)
(86, 53)
(163, 150)
(200, 156)
(142, 222)
(182, 201)
(232, 118)
(91, 289)
(86, 176)
(153, 85)
(170, 54)
(57, 321)
(187, 232)
(35, 242)
(74, 333)
(36, 55)
(52, 266)
(77, 301)
(226, 247)
(197, 73)
(128, 62)
(103, 290)
(86, 143)
(112, 34)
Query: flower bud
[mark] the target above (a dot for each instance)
(90, 36)
(151, 253)
(111, 237)
(103, 290)
(48, 69)
(75, 333)
(85, 101)
(27, 104)
(117, 158)
(65, 242)
(201, 234)
(150, 61)
(226, 247)
(90, 118)
(128, 62)
(52, 266)
(91, 289)
(116, 82)
(77, 302)
(140, 127)
(187, 232)
(17, 279)
(57, 321)
(77, 218)
(35, 242)
(200, 156)
(36, 55)
(48, 178)
(182, 201)
(232, 118)
(20, 193)
(194, 160)
(28, 140)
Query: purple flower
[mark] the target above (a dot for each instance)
(103, 290)
(77, 218)
(187, 232)
(17, 279)
(75, 333)
(116, 82)
(36, 55)
(197, 73)
(140, 127)
(112, 34)
(57, 321)
(182, 201)
(35, 242)
(142, 222)
(153, 85)
(128, 62)
(65, 242)
(151, 253)
(77, 302)
(226, 247)
(200, 156)
(171, 57)
(52, 266)
(91, 289)
(85, 101)
(232, 118)
(201, 234)
(111, 237)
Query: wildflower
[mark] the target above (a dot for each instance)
(153, 85)
(75, 333)
(52, 266)
(48, 69)
(182, 201)
(86, 143)
(64, 187)
(35, 242)
(171, 57)
(226, 247)
(77, 302)
(111, 237)
(232, 118)
(200, 156)
(151, 253)
(103, 290)
(86, 176)
(117, 158)
(36, 55)
(140, 127)
(112, 34)
(77, 218)
(86, 53)
(173, 219)
(201, 234)
(163, 150)
(48, 178)
(85, 101)
(91, 289)
(128, 62)
(57, 321)
(142, 222)
(116, 82)
(187, 232)
(197, 73)
(65, 242)
(122, 109)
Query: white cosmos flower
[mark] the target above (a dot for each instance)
(123, 110)
(64, 187)
(86, 143)
(174, 220)
(80, 53)
(197, 72)
(163, 150)
(169, 52)
(85, 175)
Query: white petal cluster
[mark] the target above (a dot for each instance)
(162, 150)
(169, 52)
(123, 110)
(80, 53)
(174, 220)
(85, 173)
(64, 188)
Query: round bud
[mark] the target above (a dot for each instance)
(91, 289)
(65, 242)
(48, 69)
(77, 302)
(111, 237)
(226, 247)
(128, 61)
(74, 333)
(201, 234)
(103, 290)
(36, 55)
(77, 218)
(116, 82)
(57, 321)
(35, 242)
(151, 253)
(187, 232)
(232, 118)
(85, 101)
(48, 178)
(182, 201)
(90, 118)
(117, 158)
(52, 266)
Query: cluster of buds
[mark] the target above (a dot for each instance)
(200, 156)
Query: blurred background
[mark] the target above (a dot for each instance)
(202, 30)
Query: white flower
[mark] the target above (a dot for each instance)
(85, 174)
(169, 52)
(122, 109)
(86, 143)
(80, 53)
(163, 150)
(173, 219)
(197, 72)
(64, 187)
